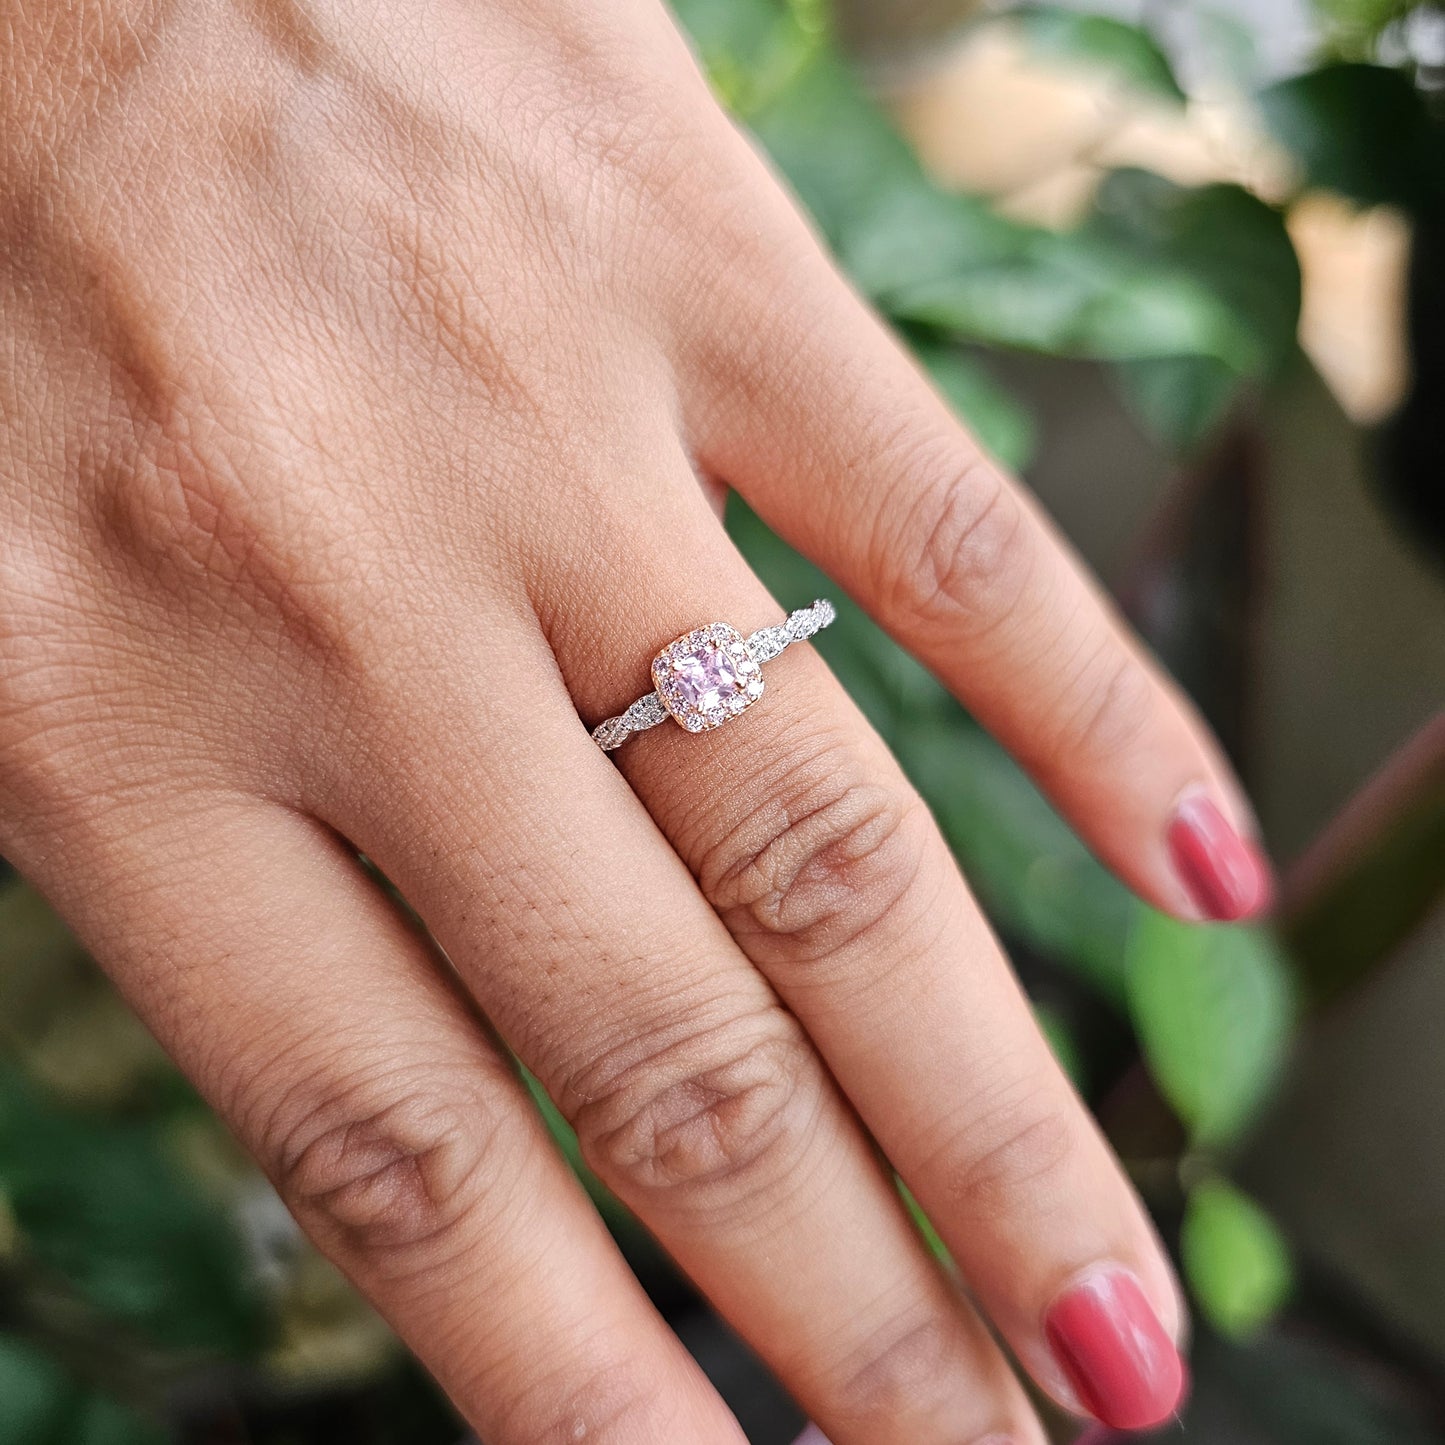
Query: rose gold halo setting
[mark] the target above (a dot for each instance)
(708, 676)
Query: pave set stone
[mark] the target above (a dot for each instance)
(707, 676)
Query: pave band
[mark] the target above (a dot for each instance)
(709, 675)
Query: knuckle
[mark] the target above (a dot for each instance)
(828, 857)
(907, 1369)
(963, 555)
(1115, 705)
(389, 1173)
(1020, 1149)
(722, 1110)
(607, 1405)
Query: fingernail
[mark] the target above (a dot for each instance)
(1227, 876)
(1109, 1342)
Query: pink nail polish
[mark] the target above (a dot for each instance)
(1227, 877)
(1109, 1342)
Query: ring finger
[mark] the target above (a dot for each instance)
(696, 1096)
(834, 881)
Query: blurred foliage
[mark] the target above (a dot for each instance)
(1382, 872)
(1100, 42)
(1213, 1011)
(1292, 1391)
(101, 1217)
(1237, 245)
(142, 1263)
(1194, 293)
(1235, 1258)
(1358, 29)
(40, 1404)
(1364, 131)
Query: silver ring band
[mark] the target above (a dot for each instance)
(708, 676)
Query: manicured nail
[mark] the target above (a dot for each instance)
(1108, 1340)
(1227, 876)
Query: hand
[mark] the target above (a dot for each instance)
(373, 374)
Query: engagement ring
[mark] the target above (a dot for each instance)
(710, 675)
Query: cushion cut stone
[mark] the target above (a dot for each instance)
(706, 678)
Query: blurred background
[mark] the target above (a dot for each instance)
(1179, 264)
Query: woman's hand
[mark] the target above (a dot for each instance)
(369, 367)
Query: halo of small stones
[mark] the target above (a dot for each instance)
(716, 634)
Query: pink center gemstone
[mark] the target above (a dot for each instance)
(706, 678)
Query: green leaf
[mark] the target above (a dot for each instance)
(1127, 53)
(1061, 1041)
(949, 262)
(1363, 131)
(1235, 1259)
(1213, 1007)
(100, 1205)
(1226, 240)
(1000, 423)
(33, 1392)
(1194, 292)
(751, 49)
(1236, 249)
(1034, 877)
(1073, 294)
(42, 1404)
(1181, 400)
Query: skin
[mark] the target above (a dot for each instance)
(373, 374)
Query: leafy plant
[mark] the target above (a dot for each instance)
(1163, 281)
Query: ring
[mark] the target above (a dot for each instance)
(710, 675)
